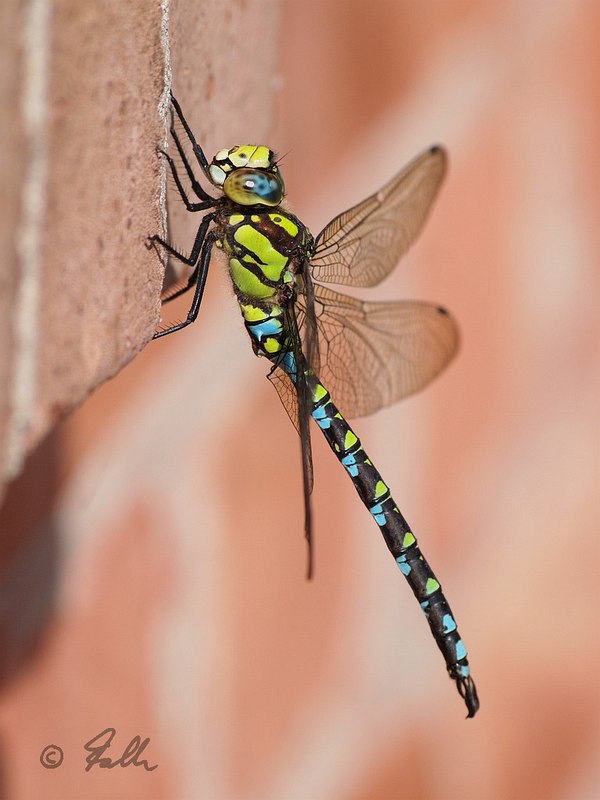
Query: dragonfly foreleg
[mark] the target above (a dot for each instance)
(207, 201)
(198, 152)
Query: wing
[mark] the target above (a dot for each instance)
(295, 399)
(374, 354)
(363, 245)
(288, 394)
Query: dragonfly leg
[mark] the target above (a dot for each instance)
(191, 281)
(207, 201)
(196, 247)
(198, 152)
(199, 278)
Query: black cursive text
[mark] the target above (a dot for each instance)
(102, 741)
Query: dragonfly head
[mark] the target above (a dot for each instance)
(248, 175)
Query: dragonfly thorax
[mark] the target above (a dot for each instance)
(248, 175)
(266, 251)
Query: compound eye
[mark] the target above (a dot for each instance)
(249, 187)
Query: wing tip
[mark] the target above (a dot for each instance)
(440, 153)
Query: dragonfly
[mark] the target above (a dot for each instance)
(331, 356)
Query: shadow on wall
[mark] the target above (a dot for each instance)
(28, 559)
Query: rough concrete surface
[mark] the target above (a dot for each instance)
(83, 186)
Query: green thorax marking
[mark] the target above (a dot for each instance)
(265, 249)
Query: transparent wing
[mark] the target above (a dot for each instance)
(374, 354)
(362, 246)
(295, 400)
(288, 395)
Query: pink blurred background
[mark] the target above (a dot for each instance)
(177, 606)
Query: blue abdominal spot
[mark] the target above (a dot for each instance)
(269, 327)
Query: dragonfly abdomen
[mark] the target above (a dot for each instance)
(401, 542)
(265, 325)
